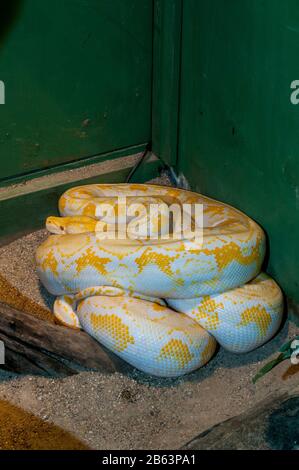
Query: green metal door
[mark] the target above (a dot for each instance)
(78, 80)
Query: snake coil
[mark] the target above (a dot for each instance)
(162, 305)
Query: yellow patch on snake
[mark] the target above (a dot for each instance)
(214, 210)
(62, 203)
(207, 351)
(136, 187)
(158, 307)
(114, 328)
(232, 252)
(66, 245)
(178, 350)
(162, 261)
(207, 311)
(258, 315)
(90, 259)
(50, 262)
(89, 210)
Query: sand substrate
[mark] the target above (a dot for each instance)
(22, 430)
(134, 411)
(19, 284)
(130, 410)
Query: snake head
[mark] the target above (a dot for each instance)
(56, 225)
(74, 224)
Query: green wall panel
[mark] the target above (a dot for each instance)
(166, 78)
(239, 132)
(78, 80)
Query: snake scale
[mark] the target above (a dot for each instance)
(161, 305)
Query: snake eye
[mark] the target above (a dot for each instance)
(61, 228)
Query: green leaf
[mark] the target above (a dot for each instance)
(285, 353)
(269, 366)
(287, 345)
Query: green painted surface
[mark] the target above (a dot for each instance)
(78, 80)
(166, 78)
(239, 132)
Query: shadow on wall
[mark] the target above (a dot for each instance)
(9, 12)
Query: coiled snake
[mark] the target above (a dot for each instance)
(160, 304)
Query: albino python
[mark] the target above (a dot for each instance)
(160, 304)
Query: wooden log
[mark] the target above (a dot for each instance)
(270, 424)
(20, 357)
(33, 345)
(11, 295)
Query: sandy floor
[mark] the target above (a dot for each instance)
(131, 410)
(17, 266)
(22, 430)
